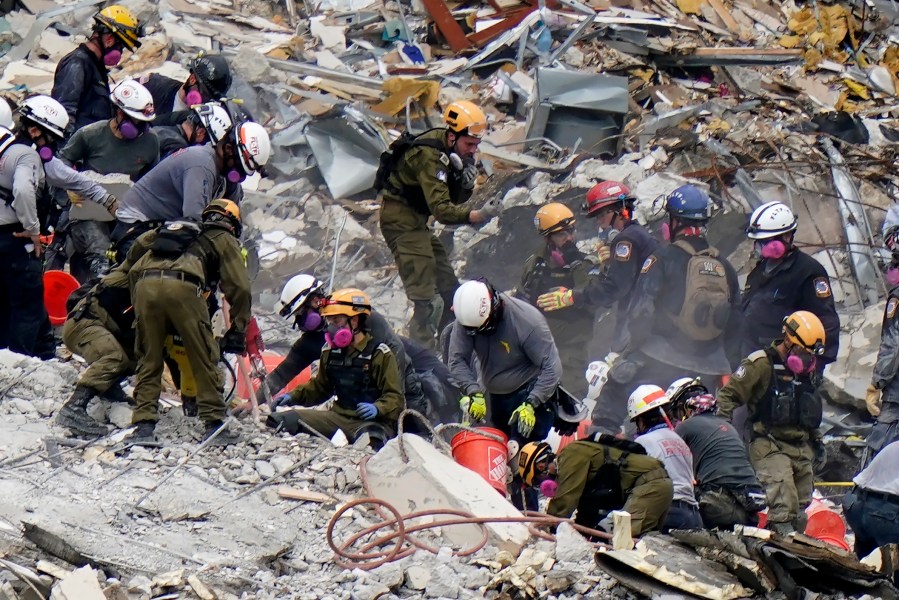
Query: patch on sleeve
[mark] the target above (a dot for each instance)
(444, 159)
(384, 348)
(647, 264)
(441, 175)
(892, 305)
(822, 287)
(740, 373)
(623, 251)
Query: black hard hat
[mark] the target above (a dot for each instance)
(213, 73)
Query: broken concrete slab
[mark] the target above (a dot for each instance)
(80, 584)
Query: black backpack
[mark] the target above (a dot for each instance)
(390, 158)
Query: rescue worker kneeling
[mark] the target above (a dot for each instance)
(596, 476)
(354, 366)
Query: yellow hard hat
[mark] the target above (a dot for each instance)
(227, 209)
(465, 118)
(805, 329)
(348, 301)
(553, 217)
(530, 456)
(121, 23)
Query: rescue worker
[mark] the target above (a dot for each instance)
(778, 388)
(646, 409)
(123, 144)
(182, 184)
(518, 366)
(684, 310)
(882, 397)
(560, 265)
(173, 267)
(435, 381)
(872, 505)
(301, 298)
(356, 367)
(209, 79)
(100, 330)
(433, 175)
(81, 80)
(596, 476)
(194, 130)
(785, 279)
(24, 324)
(727, 489)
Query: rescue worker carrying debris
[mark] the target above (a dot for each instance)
(726, 486)
(173, 268)
(882, 398)
(431, 175)
(301, 299)
(784, 280)
(560, 266)
(209, 79)
(596, 476)
(356, 367)
(204, 123)
(683, 312)
(518, 365)
(81, 81)
(646, 409)
(778, 386)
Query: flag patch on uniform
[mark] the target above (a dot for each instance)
(822, 287)
(740, 373)
(647, 264)
(441, 176)
(623, 251)
(892, 305)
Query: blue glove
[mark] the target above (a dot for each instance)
(366, 411)
(282, 400)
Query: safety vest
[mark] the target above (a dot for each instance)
(351, 376)
(789, 403)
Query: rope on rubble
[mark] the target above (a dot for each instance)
(436, 432)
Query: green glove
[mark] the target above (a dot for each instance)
(475, 405)
(556, 299)
(525, 418)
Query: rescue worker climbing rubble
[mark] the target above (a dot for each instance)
(431, 176)
(778, 386)
(355, 366)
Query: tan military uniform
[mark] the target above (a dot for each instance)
(645, 484)
(781, 456)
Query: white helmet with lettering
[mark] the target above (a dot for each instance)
(254, 147)
(771, 220)
(46, 113)
(476, 306)
(296, 292)
(644, 399)
(134, 100)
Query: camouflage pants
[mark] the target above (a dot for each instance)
(785, 471)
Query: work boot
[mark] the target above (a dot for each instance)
(144, 435)
(73, 413)
(115, 393)
(189, 406)
(783, 529)
(225, 438)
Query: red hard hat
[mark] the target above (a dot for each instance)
(607, 193)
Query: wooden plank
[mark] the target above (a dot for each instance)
(304, 495)
(729, 21)
(785, 52)
(621, 530)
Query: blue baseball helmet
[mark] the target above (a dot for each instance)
(688, 202)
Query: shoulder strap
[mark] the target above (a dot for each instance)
(689, 249)
(7, 139)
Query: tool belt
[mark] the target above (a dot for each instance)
(169, 274)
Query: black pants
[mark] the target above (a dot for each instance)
(24, 325)
(873, 517)
(682, 516)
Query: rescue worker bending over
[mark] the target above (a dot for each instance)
(174, 266)
(432, 175)
(81, 80)
(357, 368)
(596, 476)
(726, 486)
(301, 299)
(777, 385)
(208, 122)
(645, 408)
(209, 79)
(560, 265)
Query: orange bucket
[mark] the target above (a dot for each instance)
(58, 286)
(825, 524)
(486, 457)
(272, 360)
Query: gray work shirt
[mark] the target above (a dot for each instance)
(720, 457)
(521, 350)
(882, 475)
(663, 444)
(96, 148)
(62, 176)
(21, 173)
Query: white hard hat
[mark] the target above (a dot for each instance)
(644, 399)
(684, 385)
(473, 304)
(215, 119)
(295, 293)
(47, 113)
(6, 115)
(134, 99)
(771, 220)
(253, 146)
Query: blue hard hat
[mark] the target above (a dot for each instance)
(688, 202)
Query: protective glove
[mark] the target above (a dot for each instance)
(234, 342)
(493, 207)
(603, 253)
(366, 411)
(565, 428)
(475, 405)
(820, 460)
(282, 400)
(112, 204)
(873, 400)
(525, 418)
(556, 299)
(468, 177)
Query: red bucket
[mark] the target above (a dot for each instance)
(485, 456)
(580, 434)
(272, 360)
(825, 524)
(58, 286)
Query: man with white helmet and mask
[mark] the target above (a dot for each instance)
(784, 280)
(182, 184)
(205, 123)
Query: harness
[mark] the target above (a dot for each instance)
(351, 376)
